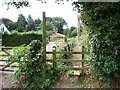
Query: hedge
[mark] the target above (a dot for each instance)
(102, 21)
(17, 39)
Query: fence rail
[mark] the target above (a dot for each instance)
(54, 59)
(4, 54)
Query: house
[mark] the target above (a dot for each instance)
(3, 28)
(56, 35)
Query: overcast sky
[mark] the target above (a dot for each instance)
(51, 8)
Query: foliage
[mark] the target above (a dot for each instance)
(30, 24)
(54, 24)
(38, 23)
(70, 73)
(37, 73)
(21, 23)
(103, 31)
(59, 23)
(70, 32)
(65, 48)
(74, 33)
(20, 38)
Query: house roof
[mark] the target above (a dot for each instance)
(57, 35)
(3, 28)
(1, 22)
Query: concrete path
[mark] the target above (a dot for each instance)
(50, 45)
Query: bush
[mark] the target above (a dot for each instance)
(73, 33)
(37, 73)
(17, 39)
(104, 36)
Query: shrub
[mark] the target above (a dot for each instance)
(74, 33)
(37, 73)
(17, 39)
(104, 33)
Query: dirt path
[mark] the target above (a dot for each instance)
(64, 81)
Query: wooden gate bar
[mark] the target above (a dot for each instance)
(67, 60)
(71, 68)
(68, 52)
(54, 57)
(83, 50)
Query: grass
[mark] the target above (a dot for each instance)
(59, 39)
(89, 81)
(72, 40)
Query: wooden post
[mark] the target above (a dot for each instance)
(54, 57)
(44, 37)
(65, 39)
(83, 50)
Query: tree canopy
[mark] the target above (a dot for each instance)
(21, 23)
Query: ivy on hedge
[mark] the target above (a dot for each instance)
(103, 24)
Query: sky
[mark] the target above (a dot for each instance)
(51, 8)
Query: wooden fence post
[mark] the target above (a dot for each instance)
(83, 55)
(44, 37)
(54, 57)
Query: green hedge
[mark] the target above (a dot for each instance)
(103, 24)
(17, 39)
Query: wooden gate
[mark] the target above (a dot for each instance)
(54, 53)
(4, 54)
(54, 59)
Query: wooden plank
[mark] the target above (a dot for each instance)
(9, 66)
(8, 70)
(69, 52)
(54, 56)
(49, 52)
(5, 55)
(3, 60)
(66, 60)
(83, 56)
(71, 68)
(6, 47)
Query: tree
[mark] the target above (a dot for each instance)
(59, 23)
(30, 24)
(9, 24)
(21, 23)
(72, 28)
(49, 26)
(38, 21)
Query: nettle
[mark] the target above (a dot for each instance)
(103, 25)
(32, 67)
